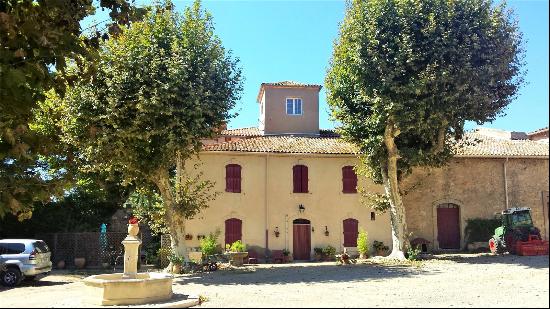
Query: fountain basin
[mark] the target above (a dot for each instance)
(113, 289)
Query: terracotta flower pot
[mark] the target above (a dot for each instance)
(79, 262)
(133, 229)
(61, 264)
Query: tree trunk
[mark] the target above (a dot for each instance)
(391, 186)
(175, 223)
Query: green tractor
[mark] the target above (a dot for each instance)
(517, 235)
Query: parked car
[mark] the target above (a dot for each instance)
(23, 259)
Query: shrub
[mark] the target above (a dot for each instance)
(379, 246)
(209, 244)
(329, 252)
(363, 242)
(286, 252)
(412, 254)
(237, 246)
(176, 259)
(480, 229)
(318, 250)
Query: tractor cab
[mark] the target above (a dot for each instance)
(517, 218)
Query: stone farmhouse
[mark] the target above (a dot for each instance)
(286, 184)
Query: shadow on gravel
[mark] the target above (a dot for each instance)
(305, 274)
(40, 283)
(538, 262)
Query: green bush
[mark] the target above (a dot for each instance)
(329, 252)
(379, 245)
(412, 254)
(176, 259)
(209, 244)
(363, 242)
(480, 229)
(237, 246)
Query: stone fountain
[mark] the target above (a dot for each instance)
(130, 287)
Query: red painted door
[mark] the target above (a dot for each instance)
(448, 226)
(302, 241)
(233, 230)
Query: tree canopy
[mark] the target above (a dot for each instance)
(406, 75)
(162, 85)
(39, 40)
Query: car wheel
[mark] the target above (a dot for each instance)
(11, 277)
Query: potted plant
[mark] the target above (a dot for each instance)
(61, 264)
(317, 254)
(286, 255)
(177, 262)
(380, 248)
(363, 244)
(329, 253)
(79, 262)
(237, 253)
(344, 258)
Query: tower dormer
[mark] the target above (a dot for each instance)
(289, 108)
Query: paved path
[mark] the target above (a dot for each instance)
(449, 281)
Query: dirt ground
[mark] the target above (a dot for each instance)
(465, 280)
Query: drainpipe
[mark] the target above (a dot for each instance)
(266, 222)
(506, 184)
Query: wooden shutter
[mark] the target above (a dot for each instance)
(233, 178)
(304, 179)
(300, 178)
(349, 180)
(297, 178)
(351, 230)
(233, 230)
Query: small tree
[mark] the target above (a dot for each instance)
(161, 86)
(406, 75)
(363, 243)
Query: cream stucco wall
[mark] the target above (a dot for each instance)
(275, 119)
(266, 201)
(476, 185)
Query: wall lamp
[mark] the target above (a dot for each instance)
(301, 208)
(277, 231)
(326, 230)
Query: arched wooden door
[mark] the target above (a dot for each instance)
(233, 230)
(448, 226)
(301, 239)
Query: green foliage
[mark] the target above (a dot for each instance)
(39, 39)
(479, 229)
(363, 242)
(83, 209)
(286, 252)
(376, 201)
(237, 246)
(379, 246)
(424, 68)
(413, 254)
(176, 259)
(209, 244)
(318, 250)
(147, 206)
(329, 252)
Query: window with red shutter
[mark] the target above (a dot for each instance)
(233, 178)
(349, 180)
(300, 179)
(351, 230)
(233, 230)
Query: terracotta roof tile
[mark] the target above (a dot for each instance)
(287, 144)
(243, 132)
(538, 131)
(474, 144)
(286, 83)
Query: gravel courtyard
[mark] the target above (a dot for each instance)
(465, 280)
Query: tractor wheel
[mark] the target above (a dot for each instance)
(496, 246)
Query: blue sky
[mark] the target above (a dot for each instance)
(292, 40)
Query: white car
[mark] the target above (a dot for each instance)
(23, 258)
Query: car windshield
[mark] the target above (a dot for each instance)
(521, 218)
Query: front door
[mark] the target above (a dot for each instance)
(448, 226)
(301, 239)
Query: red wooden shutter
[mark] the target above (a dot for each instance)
(233, 178)
(297, 179)
(304, 179)
(233, 230)
(351, 230)
(349, 180)
(237, 177)
(229, 178)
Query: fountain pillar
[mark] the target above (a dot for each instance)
(131, 245)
